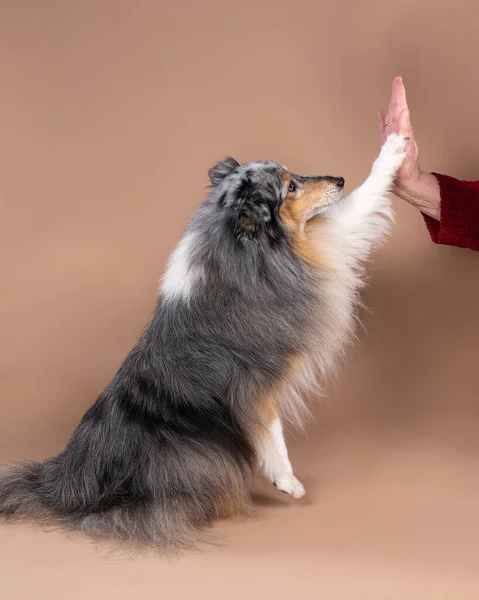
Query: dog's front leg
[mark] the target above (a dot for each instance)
(274, 460)
(371, 196)
(363, 217)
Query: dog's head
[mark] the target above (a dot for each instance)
(261, 196)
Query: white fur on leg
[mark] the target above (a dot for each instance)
(358, 223)
(344, 237)
(365, 214)
(275, 462)
(385, 167)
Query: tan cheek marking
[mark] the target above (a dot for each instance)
(288, 216)
(293, 212)
(294, 208)
(302, 244)
(315, 194)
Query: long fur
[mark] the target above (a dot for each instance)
(171, 444)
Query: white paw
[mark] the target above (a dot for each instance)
(290, 485)
(397, 143)
(392, 153)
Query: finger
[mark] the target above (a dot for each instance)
(398, 96)
(404, 124)
(382, 118)
(398, 92)
(388, 124)
(382, 126)
(405, 129)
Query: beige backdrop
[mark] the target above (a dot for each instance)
(111, 113)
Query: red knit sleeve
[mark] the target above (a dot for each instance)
(459, 224)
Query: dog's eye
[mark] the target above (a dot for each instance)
(292, 187)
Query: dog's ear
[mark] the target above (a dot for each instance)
(252, 208)
(222, 169)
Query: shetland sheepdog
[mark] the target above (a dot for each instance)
(257, 305)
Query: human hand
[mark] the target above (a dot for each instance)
(412, 184)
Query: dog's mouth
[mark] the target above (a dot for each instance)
(331, 197)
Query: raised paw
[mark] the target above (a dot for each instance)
(390, 158)
(395, 144)
(290, 485)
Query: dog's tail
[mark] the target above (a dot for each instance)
(19, 497)
(43, 492)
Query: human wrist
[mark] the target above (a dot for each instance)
(423, 192)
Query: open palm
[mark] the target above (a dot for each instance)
(397, 120)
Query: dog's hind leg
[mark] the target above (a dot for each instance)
(275, 462)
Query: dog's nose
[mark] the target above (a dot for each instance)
(340, 182)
